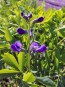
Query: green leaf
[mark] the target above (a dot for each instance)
(10, 60)
(59, 12)
(29, 77)
(63, 58)
(48, 14)
(2, 31)
(8, 35)
(3, 45)
(60, 83)
(24, 23)
(61, 31)
(57, 63)
(4, 73)
(21, 60)
(35, 85)
(45, 80)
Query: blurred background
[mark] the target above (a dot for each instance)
(57, 4)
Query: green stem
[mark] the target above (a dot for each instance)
(28, 47)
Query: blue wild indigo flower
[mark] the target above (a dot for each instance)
(26, 17)
(42, 48)
(30, 15)
(16, 47)
(38, 20)
(21, 31)
(35, 47)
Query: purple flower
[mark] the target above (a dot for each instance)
(38, 20)
(42, 48)
(27, 17)
(30, 15)
(24, 16)
(21, 31)
(35, 47)
(16, 47)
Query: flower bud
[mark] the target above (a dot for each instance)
(30, 15)
(24, 16)
(38, 20)
(21, 31)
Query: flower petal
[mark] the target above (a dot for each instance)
(42, 48)
(34, 46)
(38, 20)
(24, 16)
(13, 47)
(30, 15)
(18, 44)
(16, 47)
(21, 31)
(31, 32)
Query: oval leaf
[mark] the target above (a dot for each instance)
(10, 60)
(45, 80)
(21, 60)
(4, 73)
(29, 77)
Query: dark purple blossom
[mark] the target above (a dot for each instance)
(27, 17)
(16, 47)
(24, 16)
(30, 15)
(21, 31)
(38, 20)
(42, 48)
(35, 47)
